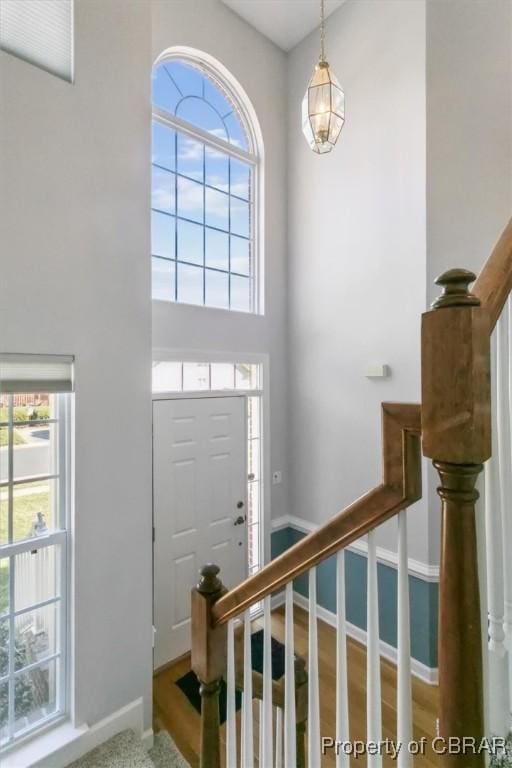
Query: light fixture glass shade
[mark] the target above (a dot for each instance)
(323, 109)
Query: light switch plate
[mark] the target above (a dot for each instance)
(378, 371)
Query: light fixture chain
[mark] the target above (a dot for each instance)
(322, 31)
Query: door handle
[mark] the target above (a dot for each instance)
(240, 520)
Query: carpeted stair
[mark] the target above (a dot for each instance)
(165, 753)
(125, 750)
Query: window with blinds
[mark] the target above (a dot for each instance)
(35, 500)
(39, 32)
(28, 373)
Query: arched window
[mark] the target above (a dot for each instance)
(204, 182)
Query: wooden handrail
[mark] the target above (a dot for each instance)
(494, 283)
(401, 487)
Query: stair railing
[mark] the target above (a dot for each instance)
(213, 608)
(457, 436)
(454, 423)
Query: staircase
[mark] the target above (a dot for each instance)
(463, 420)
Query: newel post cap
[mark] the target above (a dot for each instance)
(209, 583)
(456, 293)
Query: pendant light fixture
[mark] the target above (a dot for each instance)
(323, 105)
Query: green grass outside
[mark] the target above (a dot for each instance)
(25, 512)
(17, 438)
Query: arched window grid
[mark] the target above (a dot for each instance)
(228, 274)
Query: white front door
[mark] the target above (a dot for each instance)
(199, 497)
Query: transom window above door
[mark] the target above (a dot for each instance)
(204, 168)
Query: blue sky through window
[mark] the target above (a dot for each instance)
(183, 90)
(202, 208)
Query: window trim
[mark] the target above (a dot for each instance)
(255, 157)
(177, 123)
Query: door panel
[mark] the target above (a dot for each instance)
(184, 572)
(199, 480)
(219, 483)
(183, 506)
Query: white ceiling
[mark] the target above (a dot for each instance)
(285, 22)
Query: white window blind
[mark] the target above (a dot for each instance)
(35, 373)
(40, 32)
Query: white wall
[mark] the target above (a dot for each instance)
(469, 131)
(260, 68)
(469, 144)
(75, 278)
(357, 256)
(421, 181)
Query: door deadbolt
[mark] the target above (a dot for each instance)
(239, 505)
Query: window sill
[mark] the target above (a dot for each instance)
(35, 750)
(184, 306)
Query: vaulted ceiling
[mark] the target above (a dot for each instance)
(285, 22)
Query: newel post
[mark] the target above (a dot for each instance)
(456, 432)
(208, 661)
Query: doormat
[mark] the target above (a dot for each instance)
(189, 683)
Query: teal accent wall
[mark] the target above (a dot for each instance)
(423, 597)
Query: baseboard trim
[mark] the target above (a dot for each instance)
(148, 739)
(292, 521)
(129, 717)
(419, 570)
(422, 671)
(62, 745)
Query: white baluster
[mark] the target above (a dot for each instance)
(495, 525)
(260, 731)
(481, 540)
(247, 713)
(290, 745)
(404, 688)
(230, 699)
(314, 758)
(494, 555)
(279, 738)
(266, 709)
(503, 465)
(507, 508)
(342, 725)
(373, 688)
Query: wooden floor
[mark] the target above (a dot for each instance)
(173, 712)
